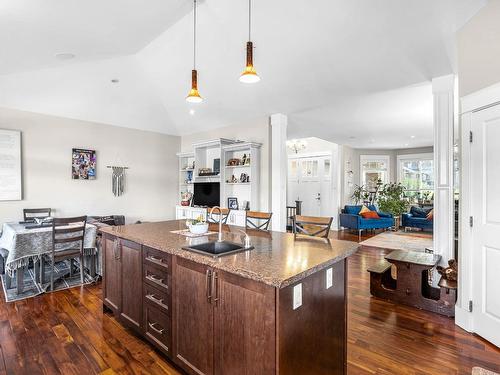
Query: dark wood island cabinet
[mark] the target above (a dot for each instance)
(237, 314)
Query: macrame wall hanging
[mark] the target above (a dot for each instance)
(118, 180)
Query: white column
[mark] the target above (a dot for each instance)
(443, 92)
(278, 171)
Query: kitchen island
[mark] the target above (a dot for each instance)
(279, 308)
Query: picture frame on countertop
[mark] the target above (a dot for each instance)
(232, 203)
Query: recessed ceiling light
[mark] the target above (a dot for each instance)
(65, 56)
(191, 112)
(412, 137)
(115, 80)
(406, 144)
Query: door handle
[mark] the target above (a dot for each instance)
(153, 298)
(153, 327)
(208, 276)
(156, 260)
(215, 287)
(155, 279)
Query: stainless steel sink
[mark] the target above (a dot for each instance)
(216, 248)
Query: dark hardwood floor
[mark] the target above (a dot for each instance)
(67, 333)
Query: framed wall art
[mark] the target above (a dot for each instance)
(83, 164)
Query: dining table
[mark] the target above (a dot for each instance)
(27, 244)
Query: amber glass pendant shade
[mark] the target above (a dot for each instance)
(249, 75)
(194, 95)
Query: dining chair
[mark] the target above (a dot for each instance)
(312, 225)
(258, 220)
(67, 244)
(36, 213)
(224, 214)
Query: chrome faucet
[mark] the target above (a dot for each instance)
(220, 221)
(248, 245)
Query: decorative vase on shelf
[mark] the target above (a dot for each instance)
(186, 198)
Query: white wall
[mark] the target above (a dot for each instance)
(353, 155)
(478, 44)
(47, 141)
(256, 130)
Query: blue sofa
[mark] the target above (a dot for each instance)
(350, 218)
(417, 218)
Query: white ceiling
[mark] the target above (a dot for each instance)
(32, 32)
(400, 118)
(338, 68)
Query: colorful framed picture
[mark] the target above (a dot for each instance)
(232, 203)
(83, 166)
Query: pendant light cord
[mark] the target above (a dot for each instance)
(194, 36)
(249, 20)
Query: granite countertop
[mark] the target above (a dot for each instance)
(278, 259)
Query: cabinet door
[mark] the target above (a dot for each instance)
(112, 273)
(244, 326)
(193, 317)
(240, 218)
(131, 259)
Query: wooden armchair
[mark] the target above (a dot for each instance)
(258, 220)
(67, 243)
(312, 225)
(223, 215)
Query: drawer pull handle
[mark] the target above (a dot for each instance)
(153, 298)
(154, 259)
(152, 326)
(154, 278)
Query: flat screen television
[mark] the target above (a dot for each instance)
(206, 194)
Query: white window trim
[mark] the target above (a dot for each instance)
(417, 157)
(365, 158)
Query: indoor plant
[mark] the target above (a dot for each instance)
(359, 194)
(391, 200)
(198, 225)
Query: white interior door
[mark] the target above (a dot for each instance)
(485, 189)
(309, 180)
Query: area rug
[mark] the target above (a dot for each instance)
(400, 240)
(32, 289)
(482, 371)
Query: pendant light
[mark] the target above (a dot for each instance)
(194, 95)
(249, 75)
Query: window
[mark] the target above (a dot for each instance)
(416, 173)
(374, 168)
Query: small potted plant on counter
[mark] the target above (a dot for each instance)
(198, 225)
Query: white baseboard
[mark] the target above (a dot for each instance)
(464, 319)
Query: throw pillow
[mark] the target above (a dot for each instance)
(430, 215)
(363, 210)
(370, 215)
(419, 212)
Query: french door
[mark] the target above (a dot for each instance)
(310, 181)
(485, 195)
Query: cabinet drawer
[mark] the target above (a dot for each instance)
(157, 297)
(157, 276)
(157, 326)
(156, 257)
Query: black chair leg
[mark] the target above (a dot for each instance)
(20, 280)
(52, 264)
(82, 275)
(42, 271)
(93, 259)
(8, 281)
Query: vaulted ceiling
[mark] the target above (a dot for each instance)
(339, 68)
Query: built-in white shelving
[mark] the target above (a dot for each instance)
(203, 156)
(243, 191)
